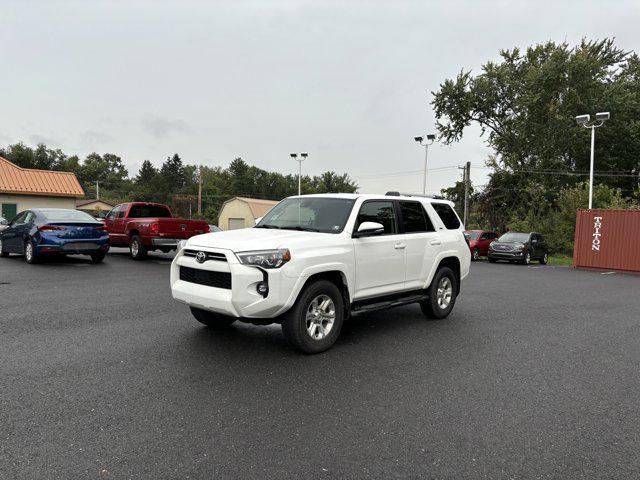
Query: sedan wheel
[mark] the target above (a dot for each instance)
(29, 253)
(527, 258)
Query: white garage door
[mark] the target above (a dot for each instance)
(236, 223)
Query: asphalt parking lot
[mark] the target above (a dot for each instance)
(103, 375)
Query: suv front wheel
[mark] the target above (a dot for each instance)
(442, 295)
(314, 322)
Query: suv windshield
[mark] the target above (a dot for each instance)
(514, 237)
(314, 214)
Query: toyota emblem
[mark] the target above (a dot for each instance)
(201, 257)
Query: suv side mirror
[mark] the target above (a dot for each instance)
(368, 229)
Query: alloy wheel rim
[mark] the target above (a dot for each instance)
(546, 257)
(475, 254)
(444, 292)
(527, 258)
(28, 251)
(320, 317)
(134, 248)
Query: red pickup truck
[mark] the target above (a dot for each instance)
(149, 226)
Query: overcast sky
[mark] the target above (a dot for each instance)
(349, 82)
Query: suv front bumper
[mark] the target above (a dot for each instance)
(242, 298)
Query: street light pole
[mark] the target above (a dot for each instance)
(303, 157)
(584, 120)
(425, 141)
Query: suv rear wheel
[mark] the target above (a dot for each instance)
(442, 295)
(211, 319)
(314, 322)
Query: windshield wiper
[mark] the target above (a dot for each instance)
(266, 226)
(300, 228)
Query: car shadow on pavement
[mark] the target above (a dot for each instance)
(365, 330)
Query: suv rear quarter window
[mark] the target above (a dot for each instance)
(414, 218)
(447, 215)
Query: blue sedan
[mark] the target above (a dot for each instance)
(52, 231)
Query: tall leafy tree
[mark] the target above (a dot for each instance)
(173, 177)
(526, 103)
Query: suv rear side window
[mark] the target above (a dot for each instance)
(447, 215)
(414, 218)
(380, 212)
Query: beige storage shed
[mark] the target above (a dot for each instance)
(242, 212)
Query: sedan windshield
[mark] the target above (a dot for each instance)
(472, 235)
(514, 237)
(313, 214)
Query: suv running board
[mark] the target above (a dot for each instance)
(386, 302)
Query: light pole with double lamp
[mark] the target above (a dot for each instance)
(303, 157)
(425, 141)
(585, 121)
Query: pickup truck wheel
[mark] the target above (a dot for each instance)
(211, 319)
(314, 322)
(442, 295)
(137, 250)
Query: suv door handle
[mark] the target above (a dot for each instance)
(435, 242)
(400, 246)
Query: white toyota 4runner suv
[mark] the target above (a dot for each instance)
(313, 260)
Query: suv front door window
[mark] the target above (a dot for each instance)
(419, 232)
(380, 259)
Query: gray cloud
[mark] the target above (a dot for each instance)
(91, 138)
(161, 127)
(35, 139)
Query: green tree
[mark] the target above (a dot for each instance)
(172, 175)
(526, 105)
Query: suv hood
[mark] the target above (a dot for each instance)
(248, 239)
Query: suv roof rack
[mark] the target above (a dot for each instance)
(403, 194)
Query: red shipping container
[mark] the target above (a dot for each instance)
(607, 239)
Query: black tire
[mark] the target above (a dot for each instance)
(527, 258)
(98, 257)
(136, 249)
(475, 255)
(294, 322)
(432, 307)
(30, 255)
(211, 319)
(545, 258)
(3, 254)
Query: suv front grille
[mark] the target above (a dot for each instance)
(206, 277)
(221, 257)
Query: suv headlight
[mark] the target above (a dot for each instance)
(181, 245)
(265, 258)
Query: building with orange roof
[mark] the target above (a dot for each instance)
(24, 188)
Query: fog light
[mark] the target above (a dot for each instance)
(263, 288)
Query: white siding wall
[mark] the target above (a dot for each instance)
(25, 202)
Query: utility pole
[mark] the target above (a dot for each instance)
(466, 180)
(199, 191)
(467, 186)
(97, 189)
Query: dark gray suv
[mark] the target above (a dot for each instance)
(519, 247)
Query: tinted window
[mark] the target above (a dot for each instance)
(414, 218)
(380, 212)
(149, 211)
(19, 219)
(447, 215)
(121, 211)
(66, 216)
